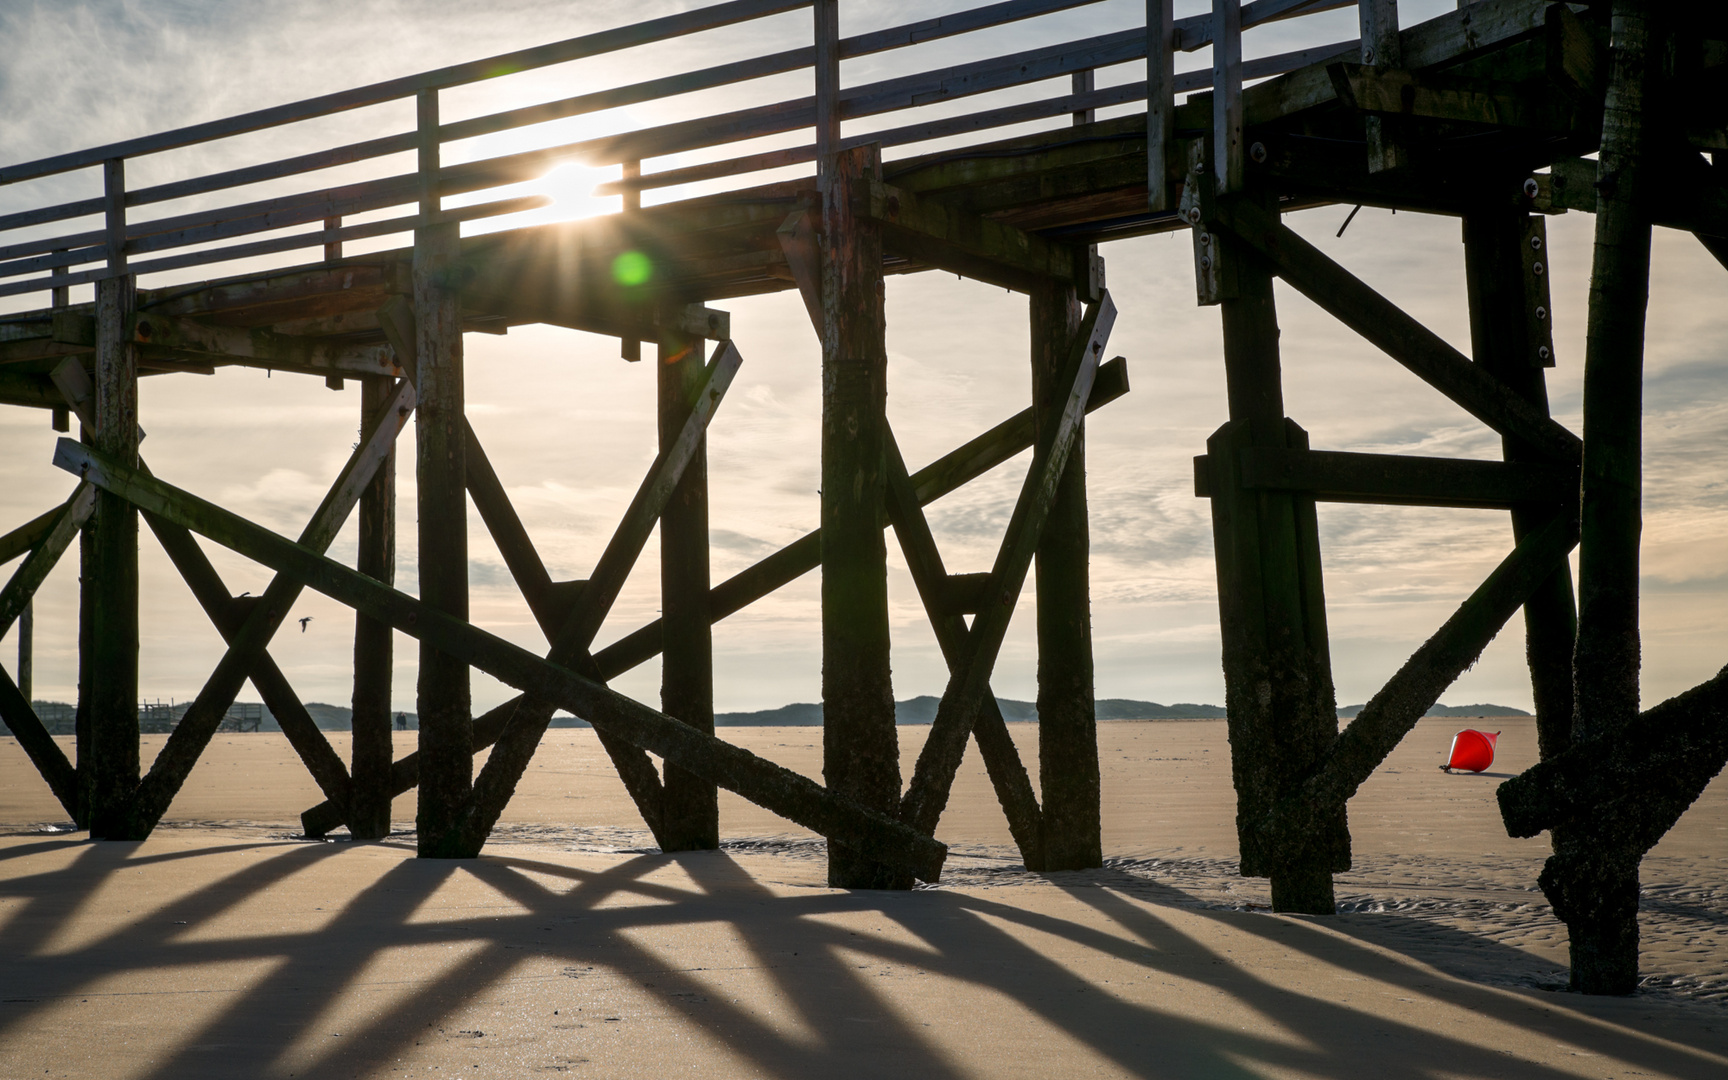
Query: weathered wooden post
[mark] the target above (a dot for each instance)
(446, 723)
(1511, 335)
(1067, 727)
(691, 808)
(1592, 880)
(111, 577)
(374, 654)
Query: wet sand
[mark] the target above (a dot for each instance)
(227, 946)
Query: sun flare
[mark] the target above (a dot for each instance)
(571, 188)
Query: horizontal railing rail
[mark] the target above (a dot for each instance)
(116, 244)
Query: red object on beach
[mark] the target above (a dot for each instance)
(1472, 751)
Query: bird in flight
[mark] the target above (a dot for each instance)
(303, 623)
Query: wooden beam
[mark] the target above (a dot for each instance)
(1397, 479)
(113, 578)
(31, 391)
(804, 262)
(1637, 782)
(1229, 156)
(860, 746)
(1385, 325)
(51, 539)
(768, 785)
(508, 532)
(39, 746)
(161, 335)
(1438, 96)
(1160, 103)
(998, 445)
(1068, 769)
(962, 243)
(927, 794)
(374, 648)
(690, 809)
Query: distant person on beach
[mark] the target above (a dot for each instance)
(401, 722)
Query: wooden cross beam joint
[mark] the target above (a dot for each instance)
(169, 336)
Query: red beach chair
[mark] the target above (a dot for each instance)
(1472, 751)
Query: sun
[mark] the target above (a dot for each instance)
(571, 187)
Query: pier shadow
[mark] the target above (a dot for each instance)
(842, 970)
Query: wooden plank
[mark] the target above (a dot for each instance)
(926, 230)
(26, 536)
(690, 810)
(1160, 102)
(511, 536)
(1406, 480)
(605, 41)
(39, 746)
(1382, 52)
(924, 560)
(764, 783)
(51, 539)
(1067, 723)
(374, 648)
(112, 579)
(261, 348)
(927, 794)
(1229, 156)
(1385, 325)
(1459, 99)
(860, 748)
(798, 243)
(826, 65)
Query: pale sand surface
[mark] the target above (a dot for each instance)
(227, 947)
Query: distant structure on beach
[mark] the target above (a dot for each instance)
(1498, 114)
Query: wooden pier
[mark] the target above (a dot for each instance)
(1489, 114)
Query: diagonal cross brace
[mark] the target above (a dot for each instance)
(927, 795)
(1351, 301)
(771, 786)
(521, 733)
(47, 551)
(948, 473)
(1007, 774)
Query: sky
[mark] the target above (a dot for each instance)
(570, 426)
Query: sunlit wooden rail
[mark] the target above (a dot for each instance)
(1489, 113)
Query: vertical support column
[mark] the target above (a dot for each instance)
(374, 651)
(1067, 721)
(1506, 301)
(27, 649)
(1380, 48)
(1160, 102)
(1227, 160)
(860, 748)
(1278, 678)
(446, 723)
(110, 597)
(111, 581)
(1592, 879)
(691, 808)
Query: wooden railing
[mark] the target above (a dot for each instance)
(176, 241)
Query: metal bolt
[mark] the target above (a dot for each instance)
(1544, 352)
(1205, 262)
(1530, 187)
(1205, 238)
(1193, 215)
(1258, 153)
(1537, 269)
(1535, 243)
(1368, 56)
(1541, 314)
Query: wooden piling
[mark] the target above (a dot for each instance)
(690, 804)
(1506, 300)
(111, 579)
(370, 794)
(1067, 724)
(446, 735)
(860, 750)
(1593, 885)
(1277, 673)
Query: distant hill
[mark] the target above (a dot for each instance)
(922, 710)
(1450, 710)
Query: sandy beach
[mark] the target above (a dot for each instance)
(226, 945)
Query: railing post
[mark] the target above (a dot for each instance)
(1160, 101)
(827, 88)
(332, 239)
(1082, 83)
(446, 724)
(1380, 49)
(374, 651)
(1227, 163)
(631, 348)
